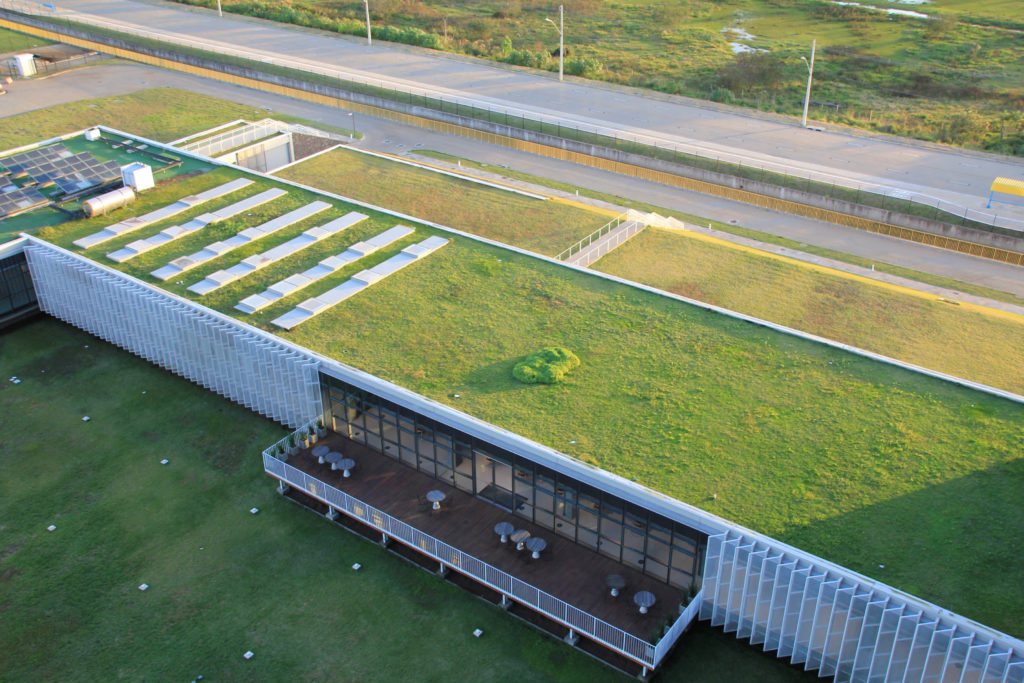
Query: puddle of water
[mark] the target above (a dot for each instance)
(901, 12)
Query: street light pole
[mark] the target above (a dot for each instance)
(369, 38)
(352, 134)
(810, 76)
(219, 12)
(560, 27)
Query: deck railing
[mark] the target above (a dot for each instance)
(586, 624)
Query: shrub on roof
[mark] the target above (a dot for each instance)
(547, 366)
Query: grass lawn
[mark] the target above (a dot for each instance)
(12, 41)
(546, 227)
(161, 114)
(959, 340)
(927, 278)
(799, 441)
(222, 581)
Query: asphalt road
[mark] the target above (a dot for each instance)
(394, 138)
(958, 180)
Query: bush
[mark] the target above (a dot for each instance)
(546, 366)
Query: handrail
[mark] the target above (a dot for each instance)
(613, 637)
(589, 239)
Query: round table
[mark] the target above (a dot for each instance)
(535, 544)
(519, 538)
(334, 457)
(346, 465)
(435, 497)
(615, 583)
(644, 600)
(319, 452)
(503, 529)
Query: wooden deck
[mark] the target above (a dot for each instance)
(566, 570)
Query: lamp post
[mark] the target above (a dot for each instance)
(219, 12)
(810, 76)
(352, 135)
(560, 27)
(369, 38)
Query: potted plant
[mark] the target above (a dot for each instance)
(304, 438)
(280, 454)
(293, 445)
(313, 436)
(321, 431)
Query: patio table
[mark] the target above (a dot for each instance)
(503, 529)
(535, 544)
(319, 452)
(435, 497)
(615, 583)
(644, 600)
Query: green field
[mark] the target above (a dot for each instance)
(955, 78)
(222, 581)
(546, 227)
(11, 41)
(919, 330)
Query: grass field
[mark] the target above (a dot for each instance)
(222, 581)
(546, 227)
(961, 341)
(11, 41)
(161, 114)
(955, 76)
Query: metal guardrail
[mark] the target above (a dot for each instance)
(589, 239)
(222, 142)
(611, 636)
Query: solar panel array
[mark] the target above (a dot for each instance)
(59, 166)
(14, 199)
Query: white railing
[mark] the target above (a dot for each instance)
(592, 237)
(605, 245)
(222, 142)
(613, 637)
(284, 444)
(686, 617)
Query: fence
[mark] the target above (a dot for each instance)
(613, 637)
(409, 93)
(841, 624)
(44, 66)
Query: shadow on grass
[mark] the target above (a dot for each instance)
(978, 521)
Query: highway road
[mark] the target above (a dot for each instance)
(957, 180)
(395, 138)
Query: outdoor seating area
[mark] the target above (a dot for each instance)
(599, 585)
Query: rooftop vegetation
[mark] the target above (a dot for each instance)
(815, 446)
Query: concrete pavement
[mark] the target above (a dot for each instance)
(394, 138)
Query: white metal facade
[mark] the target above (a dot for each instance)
(836, 623)
(214, 351)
